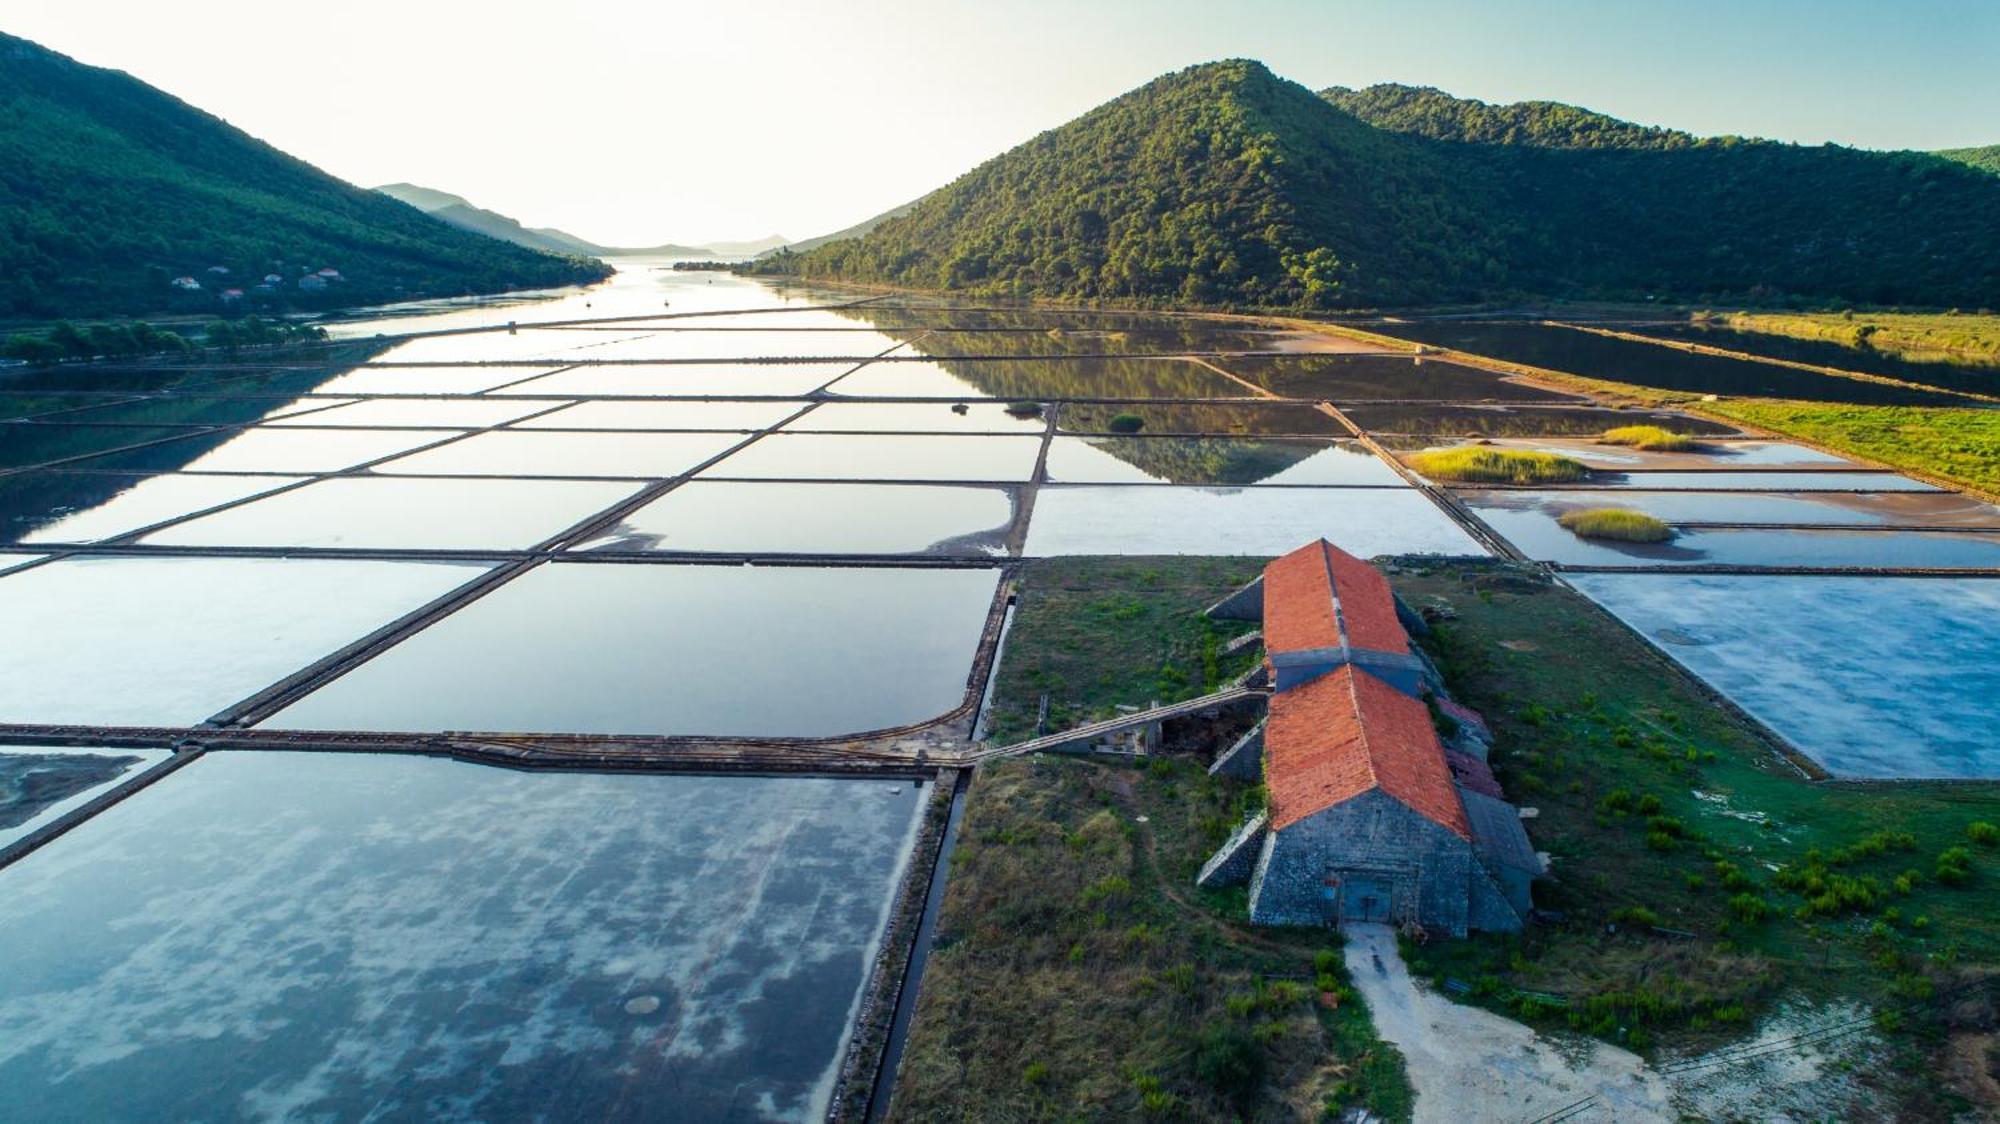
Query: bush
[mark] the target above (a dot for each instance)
(1651, 438)
(1749, 908)
(1983, 833)
(1230, 1061)
(1954, 866)
(1126, 423)
(1484, 465)
(1615, 523)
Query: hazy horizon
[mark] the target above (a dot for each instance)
(632, 124)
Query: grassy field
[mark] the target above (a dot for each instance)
(1078, 975)
(1958, 445)
(1097, 633)
(1909, 335)
(1697, 875)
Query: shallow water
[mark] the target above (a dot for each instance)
(52, 507)
(308, 936)
(520, 453)
(1518, 421)
(842, 456)
(173, 641)
(672, 649)
(1039, 379)
(747, 518)
(376, 512)
(1872, 677)
(685, 380)
(1362, 378)
(691, 415)
(1239, 521)
(41, 784)
(1910, 509)
(1274, 419)
(1214, 461)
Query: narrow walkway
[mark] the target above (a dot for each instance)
(1111, 725)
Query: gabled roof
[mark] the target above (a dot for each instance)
(1346, 733)
(1319, 596)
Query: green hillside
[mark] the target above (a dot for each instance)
(111, 189)
(1225, 185)
(1986, 158)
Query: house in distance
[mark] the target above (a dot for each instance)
(1370, 816)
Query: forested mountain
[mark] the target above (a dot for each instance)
(1225, 185)
(1987, 158)
(111, 190)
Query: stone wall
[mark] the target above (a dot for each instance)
(1232, 864)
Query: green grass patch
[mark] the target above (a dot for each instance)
(1953, 443)
(1918, 336)
(1652, 438)
(1092, 634)
(1615, 523)
(1478, 464)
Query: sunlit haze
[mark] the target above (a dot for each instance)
(638, 123)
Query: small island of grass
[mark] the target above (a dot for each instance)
(1478, 464)
(1650, 438)
(1615, 523)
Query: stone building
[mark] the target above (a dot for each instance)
(1370, 817)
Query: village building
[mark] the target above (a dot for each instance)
(1369, 816)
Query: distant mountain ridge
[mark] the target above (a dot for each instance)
(462, 213)
(1431, 112)
(119, 199)
(1225, 185)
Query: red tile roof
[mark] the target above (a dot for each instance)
(1341, 735)
(1320, 596)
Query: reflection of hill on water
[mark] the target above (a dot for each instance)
(1043, 379)
(1207, 460)
(185, 402)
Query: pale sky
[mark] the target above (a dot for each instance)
(646, 122)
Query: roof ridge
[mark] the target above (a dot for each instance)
(1333, 593)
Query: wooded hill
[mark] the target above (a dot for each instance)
(1226, 185)
(111, 189)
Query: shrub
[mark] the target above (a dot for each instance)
(1749, 908)
(1034, 1073)
(1649, 437)
(1126, 423)
(1230, 1061)
(1983, 833)
(1636, 915)
(1615, 523)
(1954, 866)
(1484, 465)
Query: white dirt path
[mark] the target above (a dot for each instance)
(1470, 1066)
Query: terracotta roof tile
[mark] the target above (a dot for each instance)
(1338, 736)
(1320, 596)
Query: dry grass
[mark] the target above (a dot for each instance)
(1478, 464)
(1651, 438)
(1615, 523)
